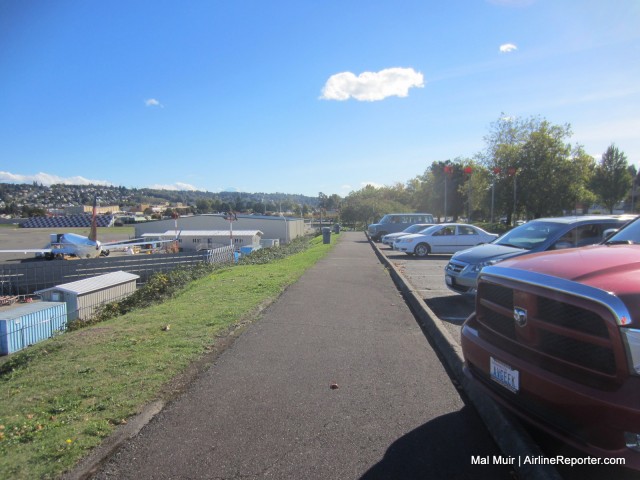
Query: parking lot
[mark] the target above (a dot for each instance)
(426, 275)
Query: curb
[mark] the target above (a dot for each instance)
(512, 439)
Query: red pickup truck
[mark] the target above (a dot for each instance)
(555, 338)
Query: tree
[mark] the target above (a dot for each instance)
(203, 205)
(475, 189)
(583, 170)
(368, 205)
(612, 180)
(539, 173)
(544, 179)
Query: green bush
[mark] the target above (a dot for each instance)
(162, 286)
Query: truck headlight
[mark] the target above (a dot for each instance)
(632, 441)
(631, 338)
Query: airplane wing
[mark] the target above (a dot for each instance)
(29, 250)
(133, 242)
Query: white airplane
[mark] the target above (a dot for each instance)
(72, 244)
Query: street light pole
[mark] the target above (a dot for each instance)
(445, 198)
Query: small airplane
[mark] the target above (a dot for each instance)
(72, 244)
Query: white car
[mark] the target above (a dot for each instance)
(443, 238)
(417, 228)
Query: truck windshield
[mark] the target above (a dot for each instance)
(529, 235)
(385, 219)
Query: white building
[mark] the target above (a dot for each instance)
(196, 240)
(284, 229)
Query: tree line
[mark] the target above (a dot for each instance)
(528, 169)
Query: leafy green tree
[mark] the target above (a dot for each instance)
(368, 205)
(583, 171)
(545, 171)
(537, 172)
(203, 205)
(475, 189)
(441, 189)
(612, 180)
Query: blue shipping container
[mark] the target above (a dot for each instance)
(30, 323)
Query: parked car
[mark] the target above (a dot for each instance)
(461, 273)
(396, 222)
(443, 238)
(555, 338)
(392, 237)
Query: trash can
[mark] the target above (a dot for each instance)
(336, 228)
(326, 235)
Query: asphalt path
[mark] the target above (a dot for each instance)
(336, 380)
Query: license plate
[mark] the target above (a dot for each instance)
(504, 375)
(448, 279)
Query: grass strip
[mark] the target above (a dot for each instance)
(63, 396)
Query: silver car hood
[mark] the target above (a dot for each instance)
(483, 253)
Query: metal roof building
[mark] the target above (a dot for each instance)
(83, 297)
(195, 240)
(284, 229)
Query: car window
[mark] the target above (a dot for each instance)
(414, 228)
(464, 230)
(530, 235)
(590, 234)
(567, 240)
(433, 230)
(448, 230)
(386, 219)
(629, 234)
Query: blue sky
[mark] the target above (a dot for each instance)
(301, 96)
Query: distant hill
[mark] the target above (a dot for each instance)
(15, 197)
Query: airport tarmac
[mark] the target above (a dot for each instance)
(15, 238)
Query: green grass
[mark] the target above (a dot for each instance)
(62, 397)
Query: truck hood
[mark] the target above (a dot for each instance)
(489, 251)
(614, 268)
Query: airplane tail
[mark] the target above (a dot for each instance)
(94, 222)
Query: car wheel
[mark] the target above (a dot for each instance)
(380, 235)
(422, 250)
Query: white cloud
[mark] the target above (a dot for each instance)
(507, 48)
(152, 102)
(49, 179)
(372, 86)
(176, 186)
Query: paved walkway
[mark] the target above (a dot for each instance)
(267, 409)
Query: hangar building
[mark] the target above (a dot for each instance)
(196, 240)
(283, 229)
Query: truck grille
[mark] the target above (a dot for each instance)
(560, 336)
